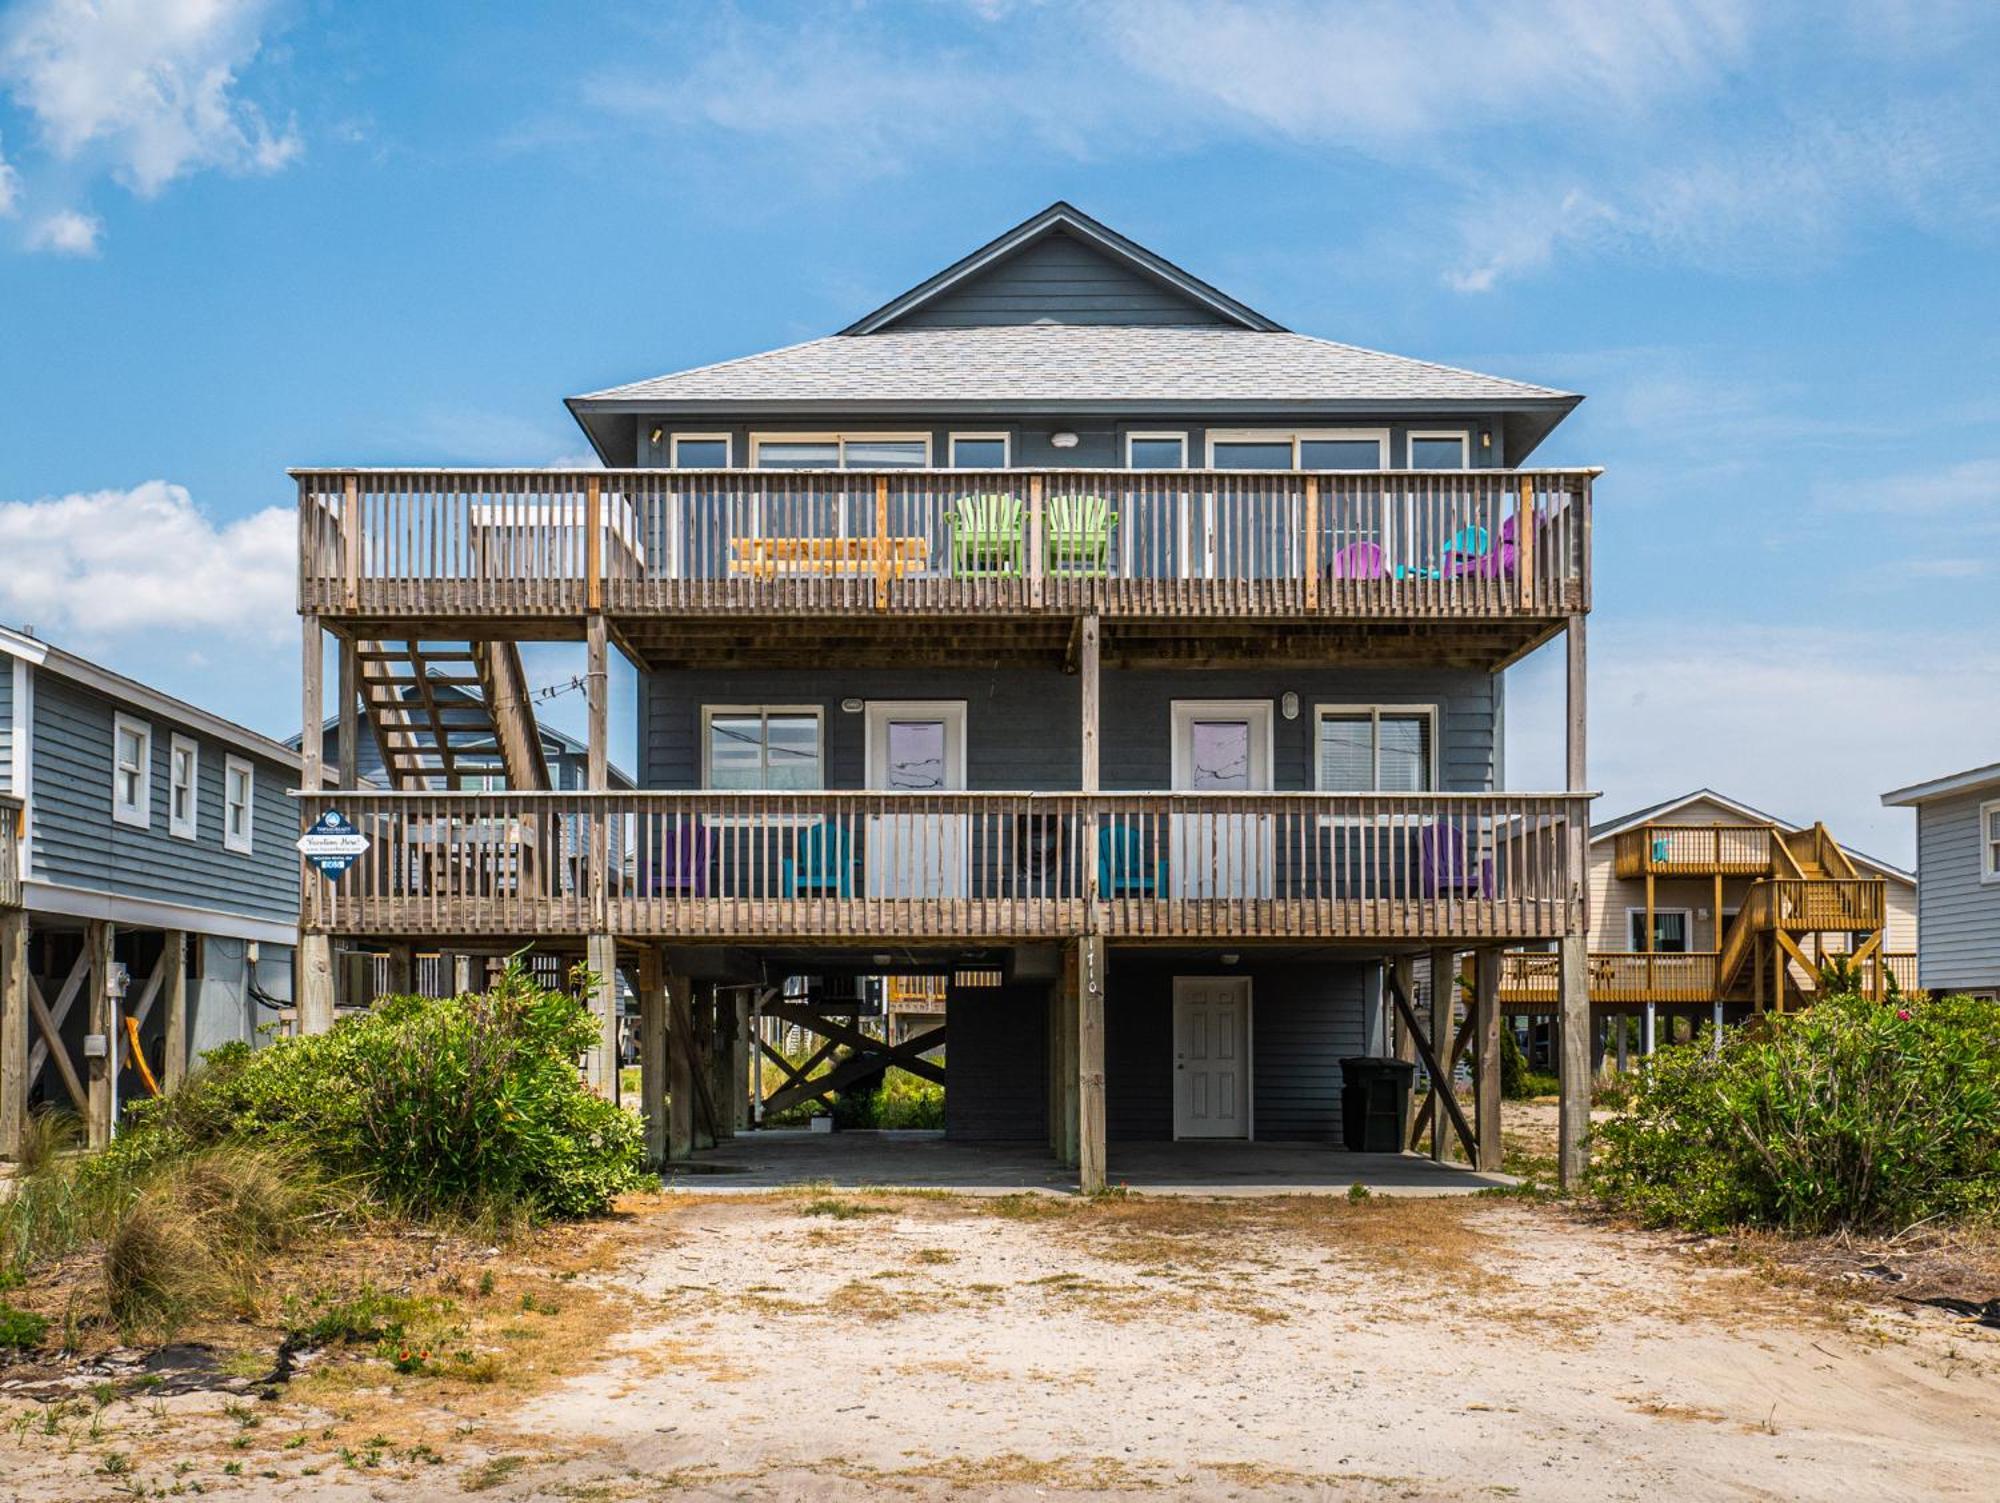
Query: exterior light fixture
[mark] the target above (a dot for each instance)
(1063, 440)
(1230, 957)
(656, 435)
(1485, 438)
(884, 959)
(1288, 704)
(851, 706)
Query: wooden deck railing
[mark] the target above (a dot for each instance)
(1453, 544)
(1696, 851)
(1625, 976)
(11, 875)
(867, 867)
(1806, 905)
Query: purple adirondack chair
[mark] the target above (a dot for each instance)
(1445, 862)
(1358, 560)
(680, 860)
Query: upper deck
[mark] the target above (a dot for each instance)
(1469, 566)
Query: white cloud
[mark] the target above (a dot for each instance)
(149, 85)
(66, 233)
(1808, 723)
(128, 563)
(1386, 70)
(1939, 493)
(10, 189)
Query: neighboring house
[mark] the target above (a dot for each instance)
(153, 846)
(1065, 618)
(566, 758)
(1958, 879)
(1741, 908)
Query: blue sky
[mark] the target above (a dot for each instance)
(1761, 238)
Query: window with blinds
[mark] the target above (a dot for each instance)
(1377, 749)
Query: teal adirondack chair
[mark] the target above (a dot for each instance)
(986, 537)
(823, 865)
(1467, 543)
(1077, 535)
(1122, 868)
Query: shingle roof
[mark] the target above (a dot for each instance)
(1074, 363)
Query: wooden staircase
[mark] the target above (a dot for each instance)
(446, 713)
(1815, 889)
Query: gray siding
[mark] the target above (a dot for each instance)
(1022, 725)
(78, 844)
(6, 723)
(1958, 916)
(1057, 279)
(997, 1063)
(1305, 1016)
(1100, 438)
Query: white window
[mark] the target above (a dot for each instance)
(775, 748)
(131, 771)
(1989, 841)
(980, 451)
(1303, 449)
(183, 771)
(701, 451)
(1672, 928)
(239, 796)
(1446, 450)
(1377, 748)
(1156, 451)
(840, 451)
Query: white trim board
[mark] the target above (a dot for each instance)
(146, 913)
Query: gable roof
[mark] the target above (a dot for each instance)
(133, 694)
(1956, 782)
(1749, 814)
(1061, 218)
(1226, 360)
(1050, 366)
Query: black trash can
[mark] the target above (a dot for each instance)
(1375, 1103)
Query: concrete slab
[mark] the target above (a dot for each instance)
(790, 1158)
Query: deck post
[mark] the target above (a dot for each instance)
(680, 1068)
(601, 1064)
(313, 1001)
(173, 1068)
(653, 1055)
(13, 1030)
(740, 1066)
(701, 1065)
(99, 938)
(347, 746)
(1618, 1043)
(1715, 1031)
(1573, 1041)
(1486, 1045)
(1444, 988)
(312, 705)
(1403, 972)
(1090, 1171)
(1652, 1035)
(1063, 1082)
(721, 1061)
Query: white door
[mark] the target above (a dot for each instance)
(1211, 1056)
(916, 747)
(1221, 746)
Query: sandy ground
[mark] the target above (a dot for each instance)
(813, 1344)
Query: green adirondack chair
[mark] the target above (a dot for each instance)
(1077, 535)
(985, 537)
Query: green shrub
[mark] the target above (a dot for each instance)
(459, 1105)
(903, 1101)
(20, 1329)
(1852, 1114)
